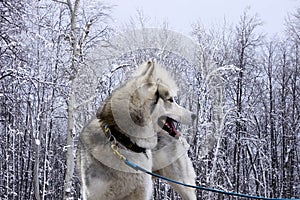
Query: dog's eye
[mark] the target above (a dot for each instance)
(157, 97)
(170, 99)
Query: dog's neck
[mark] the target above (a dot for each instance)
(116, 134)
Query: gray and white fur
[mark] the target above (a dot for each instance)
(137, 112)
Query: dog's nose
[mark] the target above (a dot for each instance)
(194, 116)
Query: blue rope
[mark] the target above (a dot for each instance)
(138, 168)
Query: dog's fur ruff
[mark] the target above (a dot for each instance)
(137, 110)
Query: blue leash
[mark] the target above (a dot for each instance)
(138, 168)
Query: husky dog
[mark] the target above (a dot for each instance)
(126, 125)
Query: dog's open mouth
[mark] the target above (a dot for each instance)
(168, 124)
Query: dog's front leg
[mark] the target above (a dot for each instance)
(182, 171)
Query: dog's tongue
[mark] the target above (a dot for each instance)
(173, 132)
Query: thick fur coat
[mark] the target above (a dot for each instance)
(130, 120)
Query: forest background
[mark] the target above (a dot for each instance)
(60, 59)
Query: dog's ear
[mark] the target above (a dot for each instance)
(147, 83)
(149, 73)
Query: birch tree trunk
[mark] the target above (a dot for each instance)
(70, 154)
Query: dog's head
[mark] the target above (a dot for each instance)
(144, 106)
(162, 91)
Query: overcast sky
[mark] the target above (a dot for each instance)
(180, 14)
